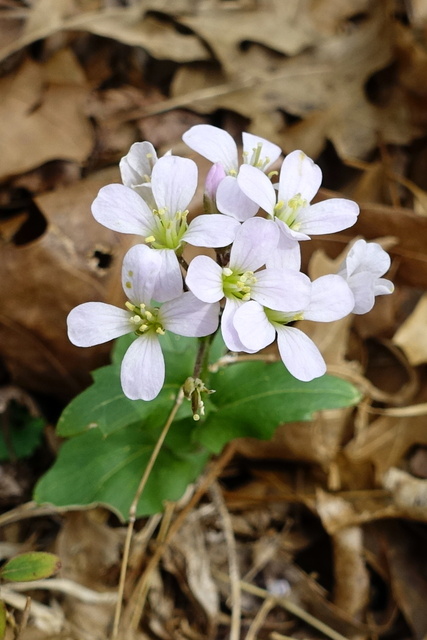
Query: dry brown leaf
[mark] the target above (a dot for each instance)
(386, 441)
(125, 24)
(411, 336)
(39, 123)
(405, 554)
(409, 493)
(326, 82)
(74, 261)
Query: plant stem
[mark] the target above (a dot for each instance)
(133, 509)
(202, 358)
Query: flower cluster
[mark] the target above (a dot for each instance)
(254, 289)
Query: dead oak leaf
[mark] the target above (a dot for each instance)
(39, 122)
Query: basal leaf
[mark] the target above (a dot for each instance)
(92, 468)
(253, 398)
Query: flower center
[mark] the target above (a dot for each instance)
(144, 319)
(167, 232)
(288, 211)
(237, 284)
(256, 160)
(281, 317)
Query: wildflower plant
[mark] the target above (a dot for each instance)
(195, 331)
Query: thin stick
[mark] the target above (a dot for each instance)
(287, 604)
(260, 617)
(236, 594)
(133, 508)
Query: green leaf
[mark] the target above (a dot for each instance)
(92, 468)
(30, 566)
(105, 406)
(253, 398)
(23, 437)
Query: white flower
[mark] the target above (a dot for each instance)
(136, 168)
(143, 368)
(362, 268)
(219, 147)
(257, 326)
(165, 227)
(289, 206)
(240, 281)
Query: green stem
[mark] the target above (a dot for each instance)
(202, 358)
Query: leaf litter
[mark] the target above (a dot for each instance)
(321, 531)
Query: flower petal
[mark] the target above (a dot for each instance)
(211, 230)
(269, 151)
(254, 243)
(287, 291)
(204, 279)
(362, 286)
(367, 256)
(137, 165)
(299, 175)
(143, 369)
(231, 200)
(97, 322)
(299, 354)
(328, 216)
(253, 327)
(228, 330)
(214, 144)
(331, 299)
(287, 254)
(140, 270)
(189, 316)
(169, 283)
(121, 209)
(174, 183)
(255, 184)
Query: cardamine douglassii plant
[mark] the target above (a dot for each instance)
(252, 292)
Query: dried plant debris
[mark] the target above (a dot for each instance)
(321, 531)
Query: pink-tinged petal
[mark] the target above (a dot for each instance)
(299, 175)
(231, 200)
(140, 270)
(269, 151)
(299, 354)
(174, 183)
(143, 369)
(253, 327)
(136, 166)
(216, 174)
(287, 291)
(121, 209)
(189, 316)
(364, 256)
(214, 144)
(169, 282)
(228, 330)
(204, 279)
(331, 299)
(97, 322)
(211, 230)
(254, 243)
(287, 254)
(255, 184)
(328, 216)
